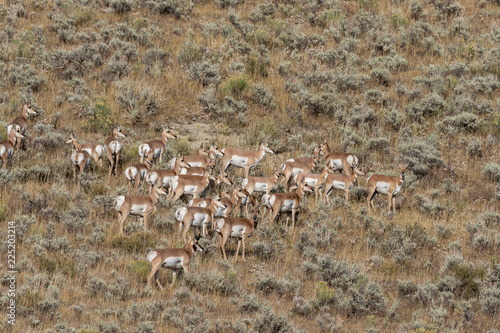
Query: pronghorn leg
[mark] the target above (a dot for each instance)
(122, 220)
(184, 233)
(243, 240)
(156, 279)
(369, 199)
(154, 270)
(82, 169)
(223, 245)
(273, 217)
(174, 274)
(117, 158)
(237, 250)
(247, 171)
(293, 218)
(74, 171)
(346, 195)
(394, 204)
(137, 181)
(110, 158)
(146, 220)
(389, 199)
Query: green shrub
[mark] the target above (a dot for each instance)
(138, 242)
(235, 86)
(491, 172)
(99, 118)
(139, 270)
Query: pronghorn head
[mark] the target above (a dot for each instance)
(16, 134)
(159, 189)
(218, 203)
(168, 134)
(214, 149)
(196, 246)
(180, 159)
(317, 150)
(222, 178)
(277, 171)
(117, 132)
(241, 193)
(255, 215)
(29, 109)
(265, 145)
(357, 170)
(315, 159)
(201, 151)
(403, 170)
(225, 194)
(70, 139)
(323, 148)
(150, 157)
(303, 186)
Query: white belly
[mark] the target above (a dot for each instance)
(195, 164)
(338, 185)
(190, 189)
(166, 180)
(88, 150)
(382, 187)
(173, 262)
(311, 181)
(260, 187)
(296, 171)
(239, 161)
(336, 164)
(237, 231)
(199, 220)
(137, 209)
(115, 146)
(288, 205)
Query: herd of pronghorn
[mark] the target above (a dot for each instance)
(194, 175)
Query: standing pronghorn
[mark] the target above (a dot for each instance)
(7, 146)
(314, 180)
(198, 217)
(183, 184)
(138, 172)
(202, 161)
(247, 200)
(163, 176)
(316, 153)
(96, 151)
(230, 200)
(172, 258)
(156, 146)
(291, 169)
(286, 202)
(390, 185)
(341, 182)
(21, 122)
(339, 161)
(137, 205)
(236, 228)
(113, 148)
(82, 159)
(261, 184)
(244, 158)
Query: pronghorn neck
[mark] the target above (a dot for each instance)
(164, 138)
(261, 153)
(24, 112)
(402, 177)
(213, 207)
(300, 192)
(276, 176)
(177, 167)
(154, 196)
(76, 144)
(234, 197)
(189, 248)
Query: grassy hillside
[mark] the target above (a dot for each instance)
(392, 81)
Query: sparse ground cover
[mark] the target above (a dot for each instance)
(414, 82)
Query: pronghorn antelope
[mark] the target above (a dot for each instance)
(316, 153)
(201, 151)
(137, 205)
(236, 228)
(163, 176)
(183, 184)
(172, 258)
(286, 202)
(230, 200)
(291, 169)
(82, 159)
(198, 217)
(247, 200)
(244, 158)
(261, 184)
(314, 180)
(96, 151)
(113, 148)
(196, 185)
(390, 185)
(7, 146)
(341, 182)
(138, 172)
(156, 146)
(339, 161)
(201, 160)
(21, 122)
(197, 171)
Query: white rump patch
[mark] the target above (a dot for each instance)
(151, 255)
(99, 149)
(351, 160)
(119, 200)
(115, 146)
